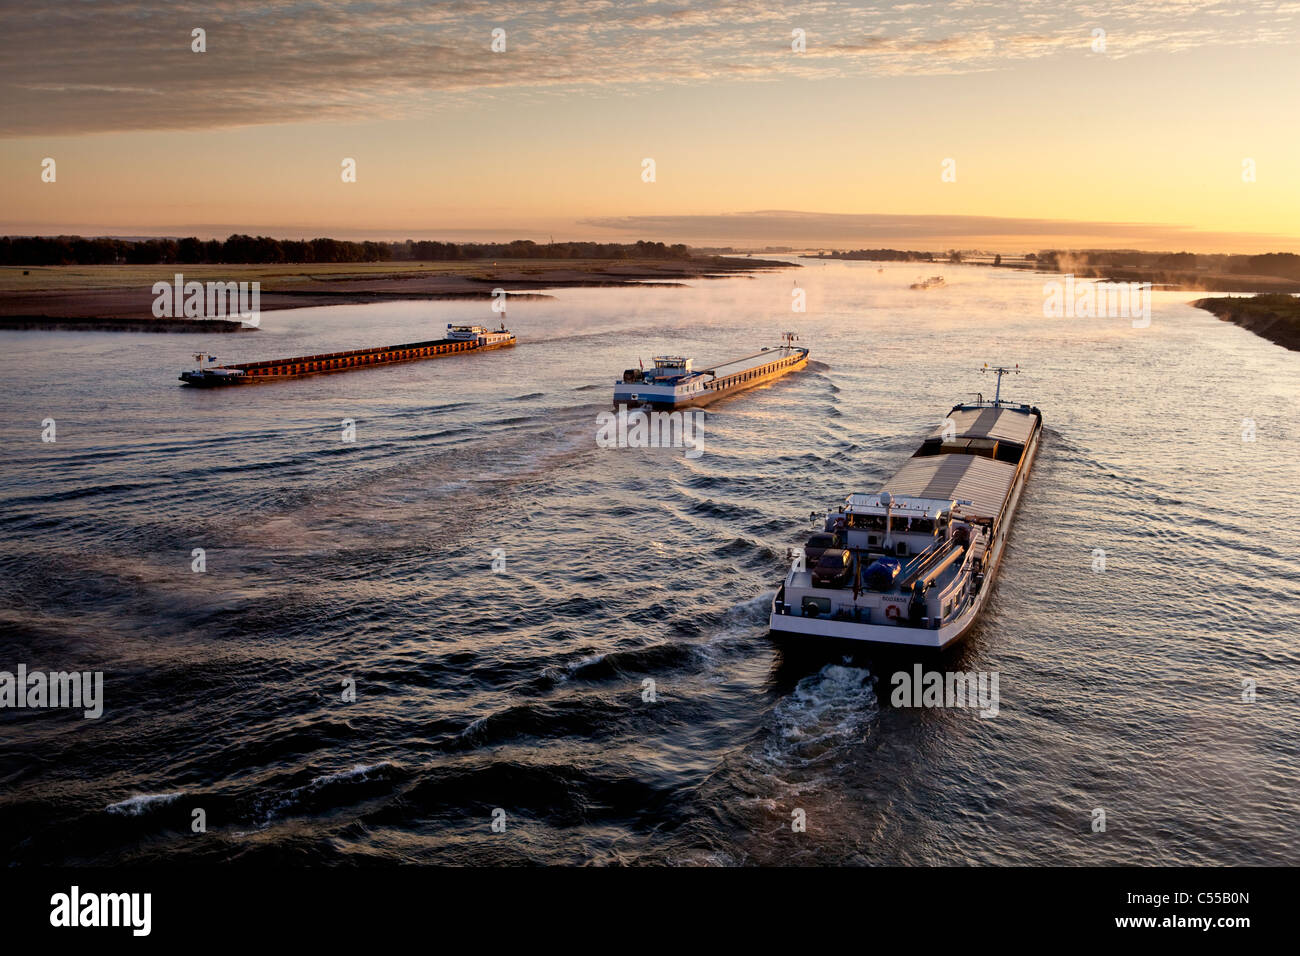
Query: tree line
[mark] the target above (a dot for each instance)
(1285, 265)
(77, 250)
(881, 255)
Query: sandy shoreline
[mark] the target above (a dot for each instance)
(120, 298)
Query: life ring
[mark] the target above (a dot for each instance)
(892, 612)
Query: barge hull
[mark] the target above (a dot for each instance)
(278, 370)
(901, 635)
(970, 474)
(712, 391)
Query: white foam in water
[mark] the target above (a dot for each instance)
(743, 620)
(753, 611)
(358, 772)
(134, 806)
(832, 706)
(811, 731)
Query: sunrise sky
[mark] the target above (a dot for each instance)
(1138, 145)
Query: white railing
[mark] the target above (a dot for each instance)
(961, 583)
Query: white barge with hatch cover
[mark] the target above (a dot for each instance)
(913, 564)
(674, 382)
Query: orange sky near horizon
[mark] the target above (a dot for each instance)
(1159, 141)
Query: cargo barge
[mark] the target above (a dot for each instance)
(674, 382)
(913, 564)
(460, 338)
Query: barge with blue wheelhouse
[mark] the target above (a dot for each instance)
(674, 382)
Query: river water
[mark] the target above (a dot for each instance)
(521, 694)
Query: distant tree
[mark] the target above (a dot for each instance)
(239, 248)
(1285, 265)
(189, 251)
(296, 250)
(95, 251)
(1177, 260)
(151, 252)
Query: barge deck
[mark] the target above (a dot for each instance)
(914, 563)
(465, 338)
(674, 382)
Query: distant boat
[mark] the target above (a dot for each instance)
(914, 563)
(674, 382)
(459, 338)
(930, 283)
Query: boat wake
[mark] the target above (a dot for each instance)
(139, 805)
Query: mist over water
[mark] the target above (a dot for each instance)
(371, 562)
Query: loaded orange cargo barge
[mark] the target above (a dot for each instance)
(460, 338)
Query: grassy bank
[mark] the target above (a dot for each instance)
(48, 296)
(1274, 317)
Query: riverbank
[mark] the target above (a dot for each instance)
(1190, 281)
(1180, 272)
(45, 323)
(1274, 317)
(120, 297)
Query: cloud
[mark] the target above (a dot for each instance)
(126, 65)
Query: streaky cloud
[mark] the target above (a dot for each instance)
(111, 66)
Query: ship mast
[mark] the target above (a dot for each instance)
(1000, 370)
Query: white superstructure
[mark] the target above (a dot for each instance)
(674, 382)
(480, 334)
(913, 563)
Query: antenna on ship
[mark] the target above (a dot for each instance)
(788, 339)
(887, 500)
(1000, 370)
